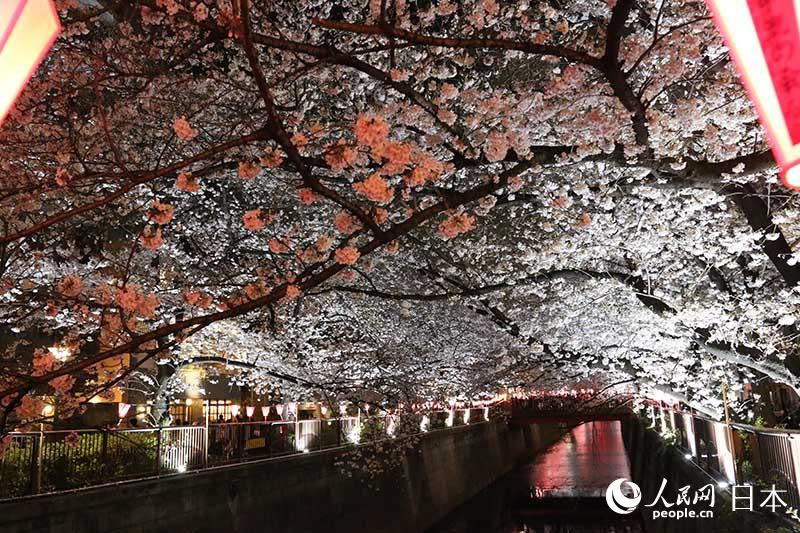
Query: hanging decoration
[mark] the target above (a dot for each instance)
(27, 31)
(763, 39)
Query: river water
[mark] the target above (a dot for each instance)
(562, 490)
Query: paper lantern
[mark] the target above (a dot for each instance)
(265, 411)
(279, 410)
(763, 39)
(122, 409)
(235, 410)
(27, 30)
(250, 410)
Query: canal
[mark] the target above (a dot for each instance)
(561, 490)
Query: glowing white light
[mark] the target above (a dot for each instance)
(61, 353)
(181, 468)
(687, 456)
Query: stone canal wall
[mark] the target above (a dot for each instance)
(298, 494)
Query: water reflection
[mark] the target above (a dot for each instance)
(562, 490)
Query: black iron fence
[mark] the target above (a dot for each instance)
(50, 461)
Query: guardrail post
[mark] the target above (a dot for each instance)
(158, 450)
(36, 461)
(205, 435)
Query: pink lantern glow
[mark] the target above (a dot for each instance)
(265, 411)
(122, 409)
(764, 43)
(250, 410)
(279, 410)
(235, 410)
(27, 31)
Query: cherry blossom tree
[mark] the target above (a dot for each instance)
(402, 198)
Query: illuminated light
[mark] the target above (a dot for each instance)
(189, 401)
(466, 416)
(27, 31)
(61, 353)
(425, 424)
(265, 411)
(324, 410)
(764, 43)
(250, 410)
(122, 409)
(181, 468)
(305, 450)
(688, 456)
(723, 484)
(279, 410)
(486, 413)
(48, 410)
(792, 177)
(235, 410)
(450, 418)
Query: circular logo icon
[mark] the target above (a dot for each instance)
(618, 501)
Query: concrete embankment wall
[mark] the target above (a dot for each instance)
(652, 460)
(299, 494)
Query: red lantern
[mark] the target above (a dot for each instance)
(27, 30)
(763, 39)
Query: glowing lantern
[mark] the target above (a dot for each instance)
(122, 409)
(763, 39)
(265, 411)
(250, 410)
(27, 30)
(279, 410)
(235, 410)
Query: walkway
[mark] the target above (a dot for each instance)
(581, 464)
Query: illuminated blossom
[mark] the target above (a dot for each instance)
(292, 291)
(346, 223)
(200, 12)
(161, 213)
(253, 220)
(62, 384)
(44, 362)
(70, 286)
(427, 169)
(397, 155)
(307, 196)
(341, 156)
(299, 140)
(272, 158)
(324, 243)
(278, 247)
(381, 215)
(496, 146)
(197, 299)
(375, 188)
(186, 182)
(183, 130)
(399, 74)
(151, 238)
(371, 130)
(347, 255)
(448, 91)
(248, 170)
(455, 225)
(131, 299)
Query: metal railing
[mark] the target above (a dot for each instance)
(738, 453)
(52, 461)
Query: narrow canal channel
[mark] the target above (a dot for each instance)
(561, 490)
